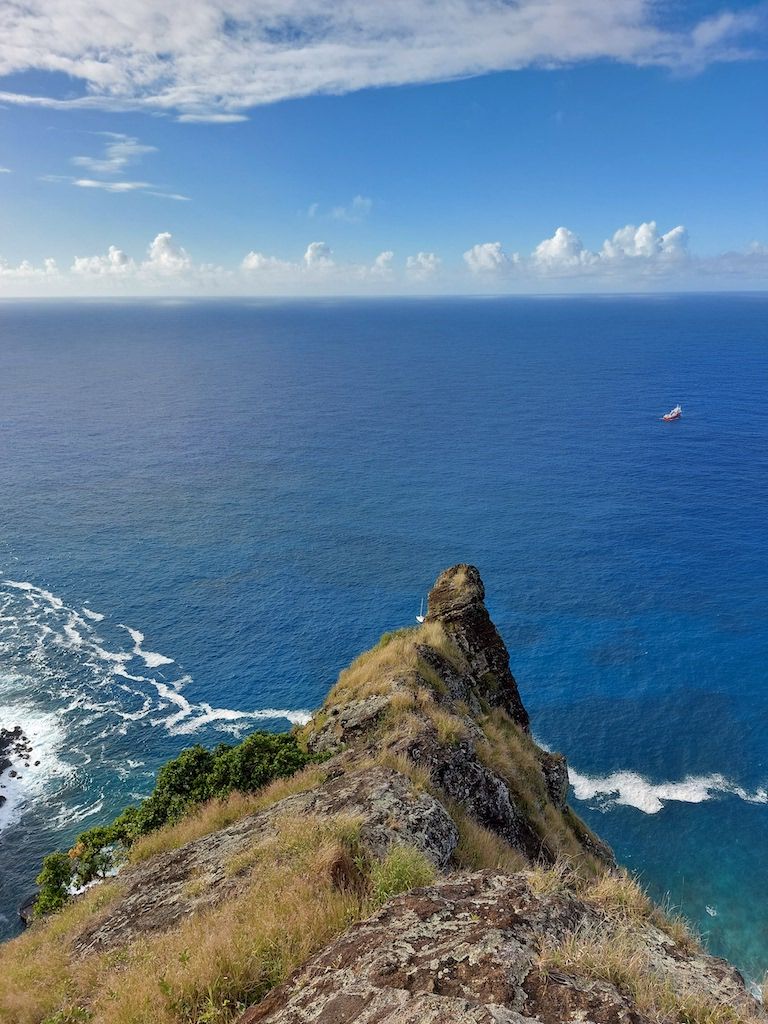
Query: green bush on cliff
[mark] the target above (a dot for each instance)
(183, 783)
(54, 880)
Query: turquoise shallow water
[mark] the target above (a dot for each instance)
(209, 509)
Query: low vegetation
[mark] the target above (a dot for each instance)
(303, 885)
(616, 955)
(196, 777)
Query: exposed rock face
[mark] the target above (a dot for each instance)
(457, 602)
(467, 951)
(170, 886)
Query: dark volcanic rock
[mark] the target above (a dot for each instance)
(457, 600)
(14, 745)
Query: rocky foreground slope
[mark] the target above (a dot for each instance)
(428, 869)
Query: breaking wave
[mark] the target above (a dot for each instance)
(631, 789)
(80, 687)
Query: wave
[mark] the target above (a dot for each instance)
(77, 671)
(633, 790)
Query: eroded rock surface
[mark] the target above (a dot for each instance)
(169, 886)
(468, 950)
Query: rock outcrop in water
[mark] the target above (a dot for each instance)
(427, 871)
(15, 755)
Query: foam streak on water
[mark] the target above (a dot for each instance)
(72, 678)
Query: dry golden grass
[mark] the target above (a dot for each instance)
(393, 663)
(512, 754)
(479, 848)
(36, 978)
(312, 882)
(618, 956)
(621, 895)
(219, 813)
(419, 775)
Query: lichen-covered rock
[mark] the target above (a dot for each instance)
(468, 950)
(162, 890)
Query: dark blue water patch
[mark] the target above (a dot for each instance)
(263, 489)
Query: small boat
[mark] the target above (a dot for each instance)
(673, 414)
(421, 616)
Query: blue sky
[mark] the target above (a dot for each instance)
(214, 157)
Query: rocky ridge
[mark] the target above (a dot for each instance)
(427, 753)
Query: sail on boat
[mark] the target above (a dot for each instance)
(421, 616)
(673, 414)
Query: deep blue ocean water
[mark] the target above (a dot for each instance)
(206, 510)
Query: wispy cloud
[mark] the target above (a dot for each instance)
(352, 213)
(5, 170)
(224, 57)
(120, 151)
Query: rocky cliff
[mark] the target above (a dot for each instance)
(427, 869)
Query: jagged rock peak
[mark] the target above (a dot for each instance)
(457, 602)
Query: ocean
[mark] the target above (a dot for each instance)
(208, 509)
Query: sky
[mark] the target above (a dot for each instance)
(309, 147)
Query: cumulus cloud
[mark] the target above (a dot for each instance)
(563, 250)
(489, 258)
(383, 265)
(632, 248)
(27, 272)
(423, 265)
(645, 242)
(225, 56)
(318, 256)
(164, 256)
(634, 257)
(114, 262)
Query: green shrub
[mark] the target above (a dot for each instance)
(54, 880)
(195, 776)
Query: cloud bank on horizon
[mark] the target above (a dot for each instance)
(633, 258)
(223, 57)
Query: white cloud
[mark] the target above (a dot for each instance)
(119, 152)
(357, 210)
(27, 272)
(111, 186)
(645, 242)
(165, 257)
(423, 265)
(115, 262)
(5, 170)
(318, 256)
(563, 250)
(383, 265)
(489, 258)
(225, 56)
(638, 258)
(259, 262)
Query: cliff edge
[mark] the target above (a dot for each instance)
(426, 867)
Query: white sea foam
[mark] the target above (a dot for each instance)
(75, 659)
(46, 735)
(631, 789)
(92, 615)
(211, 714)
(151, 658)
